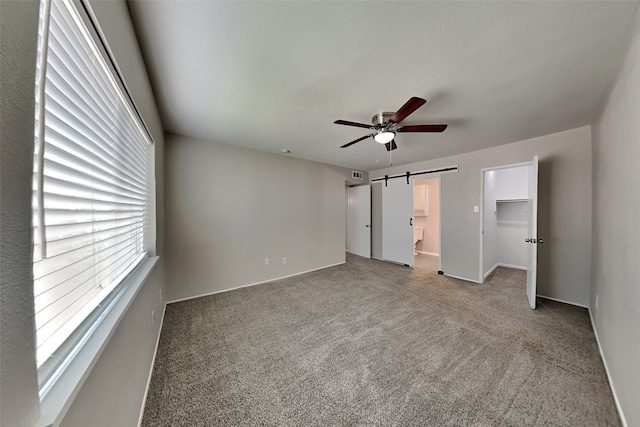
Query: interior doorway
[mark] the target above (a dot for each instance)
(359, 220)
(426, 225)
(392, 216)
(508, 224)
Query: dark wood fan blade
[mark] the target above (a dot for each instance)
(353, 142)
(409, 107)
(348, 123)
(391, 145)
(422, 128)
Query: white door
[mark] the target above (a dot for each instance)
(397, 221)
(532, 233)
(360, 220)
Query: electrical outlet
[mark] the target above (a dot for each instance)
(284, 260)
(266, 261)
(597, 301)
(153, 317)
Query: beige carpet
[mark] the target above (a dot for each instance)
(426, 262)
(373, 343)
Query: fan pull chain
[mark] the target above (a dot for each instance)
(377, 153)
(390, 157)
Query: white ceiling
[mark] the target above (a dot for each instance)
(273, 75)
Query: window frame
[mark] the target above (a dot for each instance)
(60, 380)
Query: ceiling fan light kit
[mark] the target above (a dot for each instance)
(385, 125)
(383, 137)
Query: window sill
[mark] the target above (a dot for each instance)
(57, 401)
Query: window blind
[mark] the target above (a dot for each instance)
(91, 180)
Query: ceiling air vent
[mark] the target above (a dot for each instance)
(357, 174)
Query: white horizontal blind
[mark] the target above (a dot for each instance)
(91, 182)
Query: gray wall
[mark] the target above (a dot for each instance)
(564, 219)
(616, 235)
(229, 208)
(113, 392)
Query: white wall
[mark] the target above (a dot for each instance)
(431, 222)
(113, 392)
(512, 183)
(512, 219)
(564, 218)
(229, 208)
(616, 235)
(505, 224)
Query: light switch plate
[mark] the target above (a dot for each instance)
(476, 209)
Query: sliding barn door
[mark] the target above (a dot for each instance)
(397, 221)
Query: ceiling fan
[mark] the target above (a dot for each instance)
(386, 125)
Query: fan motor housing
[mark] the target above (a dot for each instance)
(381, 119)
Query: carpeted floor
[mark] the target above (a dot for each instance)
(426, 262)
(373, 343)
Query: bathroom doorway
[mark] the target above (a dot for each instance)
(426, 225)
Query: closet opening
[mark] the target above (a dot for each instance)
(509, 224)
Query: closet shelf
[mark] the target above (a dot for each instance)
(510, 200)
(512, 222)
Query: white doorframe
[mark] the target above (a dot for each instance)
(481, 224)
(440, 222)
(346, 197)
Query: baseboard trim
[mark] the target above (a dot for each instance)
(563, 301)
(254, 283)
(499, 264)
(428, 253)
(517, 267)
(352, 253)
(491, 270)
(153, 362)
(606, 369)
(461, 278)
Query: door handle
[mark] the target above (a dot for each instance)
(534, 240)
(411, 222)
(367, 226)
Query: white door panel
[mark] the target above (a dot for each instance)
(397, 221)
(360, 220)
(532, 233)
